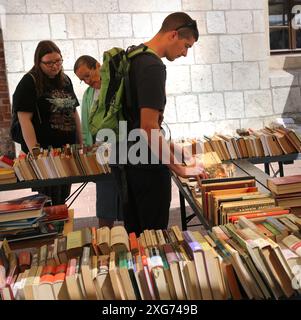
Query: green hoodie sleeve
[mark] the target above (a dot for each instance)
(85, 111)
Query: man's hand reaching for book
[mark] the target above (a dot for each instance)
(191, 171)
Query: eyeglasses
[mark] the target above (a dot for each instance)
(191, 25)
(58, 62)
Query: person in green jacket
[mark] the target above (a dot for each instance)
(108, 203)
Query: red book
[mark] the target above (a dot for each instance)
(24, 258)
(232, 219)
(57, 212)
(133, 243)
(6, 162)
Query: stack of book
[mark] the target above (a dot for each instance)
(6, 162)
(264, 253)
(60, 162)
(247, 143)
(234, 261)
(287, 192)
(7, 176)
(27, 218)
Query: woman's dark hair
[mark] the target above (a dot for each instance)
(45, 47)
(89, 61)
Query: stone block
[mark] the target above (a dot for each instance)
(286, 100)
(89, 47)
(216, 22)
(248, 4)
(211, 106)
(231, 48)
(255, 48)
(245, 76)
(149, 6)
(283, 78)
(258, 103)
(258, 21)
(95, 6)
(201, 78)
(142, 25)
(196, 5)
(75, 26)
(239, 22)
(26, 27)
(28, 49)
(187, 108)
(49, 6)
(96, 26)
(178, 80)
(234, 102)
(221, 4)
(13, 56)
(13, 6)
(264, 74)
(170, 113)
(207, 50)
(222, 77)
(120, 25)
(58, 26)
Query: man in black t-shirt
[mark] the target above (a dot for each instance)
(149, 185)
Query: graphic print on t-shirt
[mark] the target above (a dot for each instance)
(61, 111)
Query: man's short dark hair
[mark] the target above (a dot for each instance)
(89, 61)
(181, 22)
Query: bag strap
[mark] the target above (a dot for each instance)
(36, 105)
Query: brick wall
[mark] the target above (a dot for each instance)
(6, 145)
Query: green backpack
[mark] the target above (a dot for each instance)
(113, 104)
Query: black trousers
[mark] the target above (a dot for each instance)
(149, 196)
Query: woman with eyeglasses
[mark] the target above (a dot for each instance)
(45, 103)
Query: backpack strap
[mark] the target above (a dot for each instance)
(36, 105)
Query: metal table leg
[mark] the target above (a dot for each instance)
(183, 211)
(267, 168)
(280, 164)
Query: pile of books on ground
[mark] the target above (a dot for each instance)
(28, 218)
(287, 192)
(63, 162)
(234, 261)
(248, 143)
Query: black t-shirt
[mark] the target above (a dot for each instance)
(56, 106)
(147, 80)
(147, 77)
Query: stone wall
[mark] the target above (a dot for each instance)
(224, 83)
